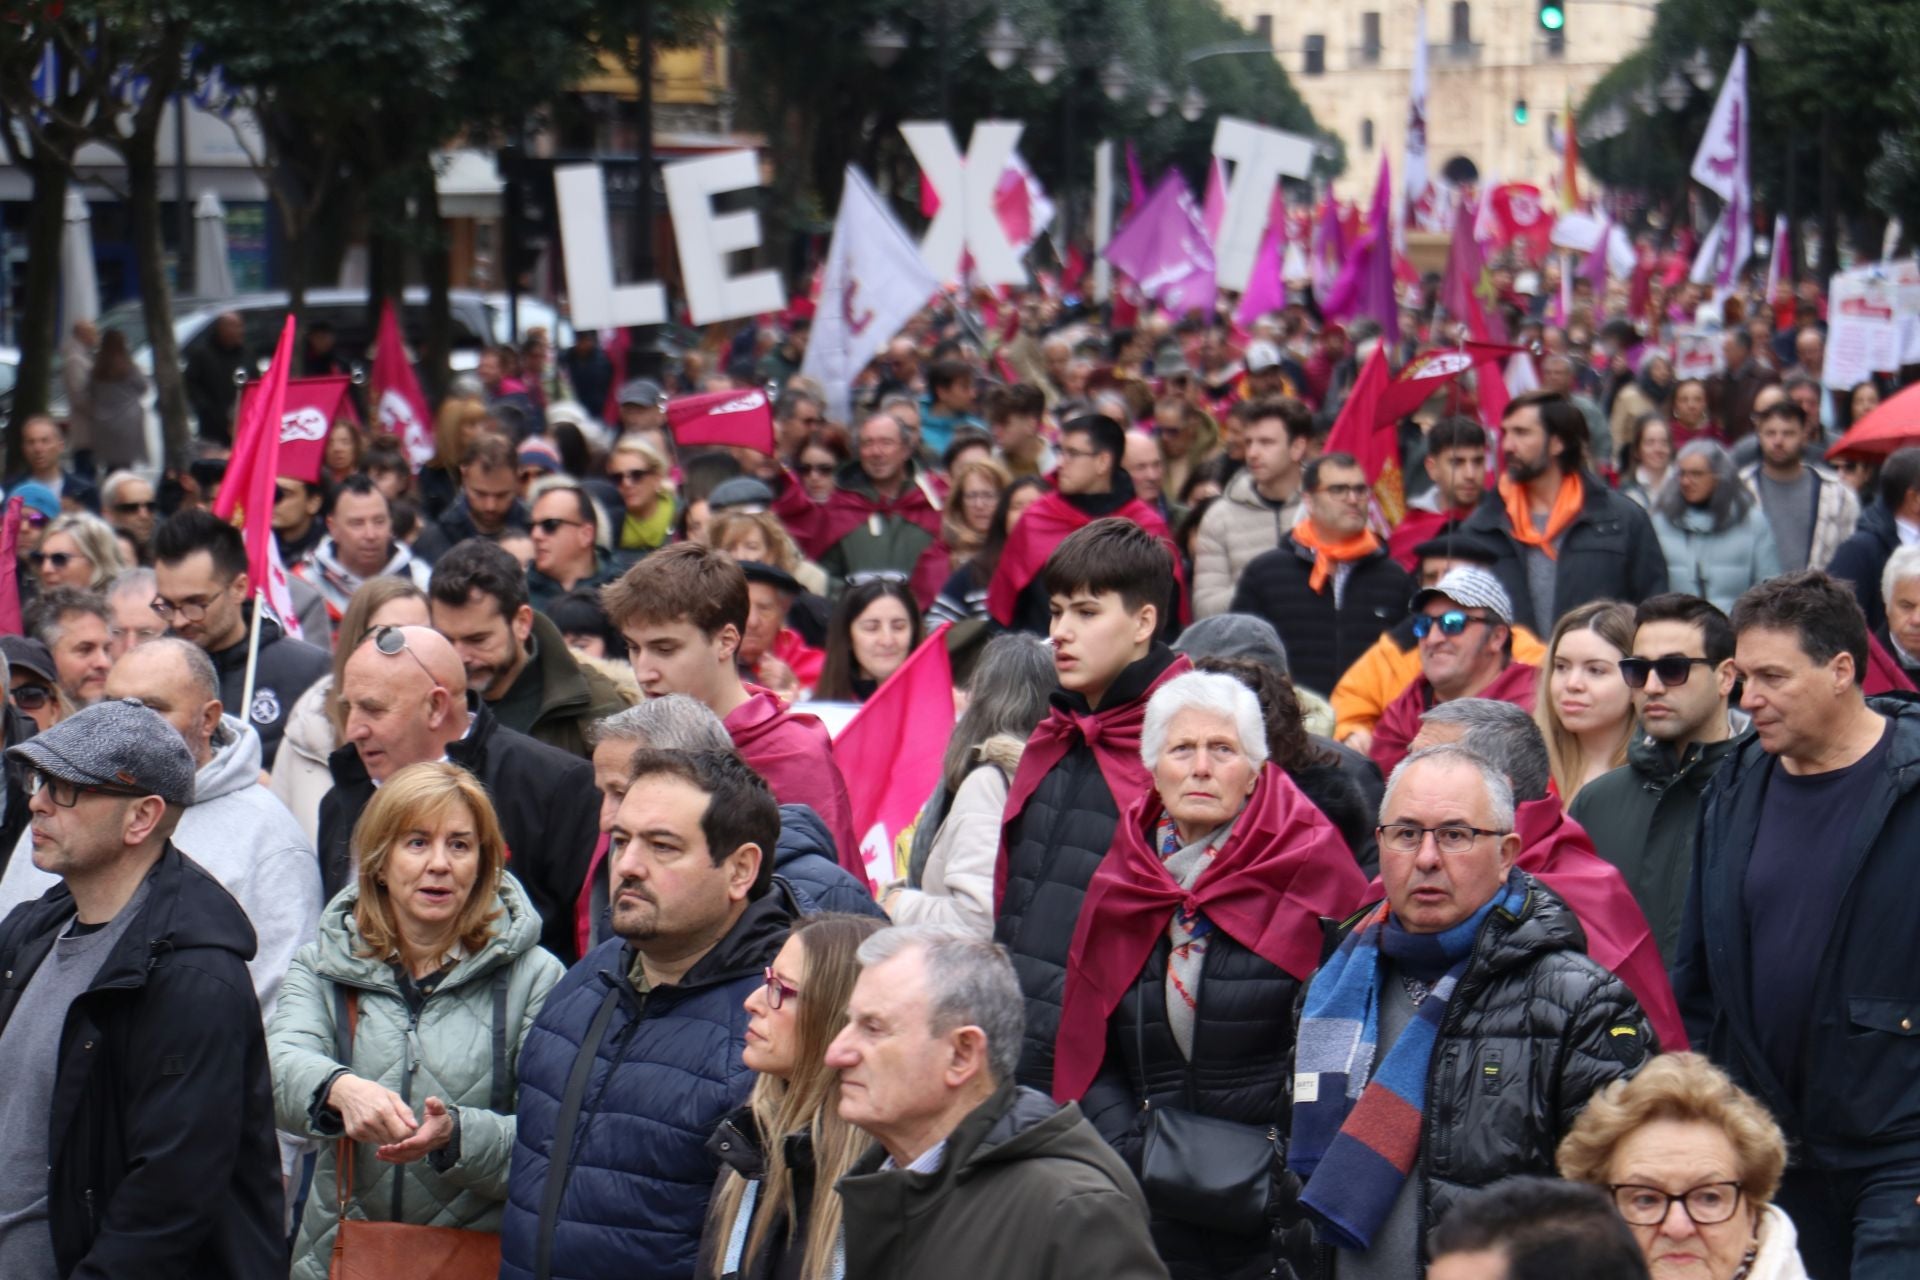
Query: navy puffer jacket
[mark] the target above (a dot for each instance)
(805, 859)
(666, 1070)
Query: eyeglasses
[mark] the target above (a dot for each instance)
(193, 610)
(65, 793)
(36, 518)
(58, 559)
(634, 476)
(816, 468)
(980, 498)
(132, 508)
(1407, 837)
(1706, 1204)
(778, 992)
(1451, 623)
(1344, 492)
(32, 697)
(554, 524)
(1067, 451)
(392, 640)
(1672, 669)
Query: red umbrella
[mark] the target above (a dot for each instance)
(1894, 423)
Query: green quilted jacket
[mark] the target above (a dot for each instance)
(449, 1053)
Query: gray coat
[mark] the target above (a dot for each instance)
(1717, 564)
(453, 1039)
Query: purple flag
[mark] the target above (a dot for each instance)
(1164, 247)
(1265, 292)
(1136, 185)
(1595, 267)
(1365, 286)
(1329, 248)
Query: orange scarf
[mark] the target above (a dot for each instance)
(1566, 506)
(1328, 554)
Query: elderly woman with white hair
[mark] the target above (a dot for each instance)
(1199, 931)
(1900, 590)
(1712, 529)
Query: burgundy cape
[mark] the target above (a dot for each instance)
(1883, 674)
(1557, 850)
(794, 753)
(1044, 526)
(1282, 870)
(1400, 722)
(1113, 734)
(816, 526)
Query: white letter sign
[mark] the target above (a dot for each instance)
(706, 238)
(1260, 157)
(594, 300)
(966, 221)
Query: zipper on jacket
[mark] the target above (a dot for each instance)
(93, 1219)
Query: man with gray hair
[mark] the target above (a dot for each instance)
(131, 619)
(1899, 635)
(1557, 850)
(971, 1175)
(1464, 994)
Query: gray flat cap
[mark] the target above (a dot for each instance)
(121, 743)
(1234, 635)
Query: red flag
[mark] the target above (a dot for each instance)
(312, 406)
(1429, 371)
(892, 750)
(1356, 431)
(738, 419)
(10, 623)
(1520, 214)
(249, 488)
(398, 406)
(1460, 287)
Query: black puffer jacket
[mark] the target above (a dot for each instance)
(1053, 847)
(739, 1148)
(1323, 640)
(1534, 1029)
(1242, 1043)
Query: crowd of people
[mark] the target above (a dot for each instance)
(1513, 888)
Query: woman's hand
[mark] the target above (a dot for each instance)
(371, 1112)
(434, 1133)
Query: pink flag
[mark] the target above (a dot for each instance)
(892, 750)
(10, 623)
(1265, 292)
(1136, 185)
(1780, 261)
(1365, 286)
(1165, 248)
(1460, 286)
(1328, 250)
(398, 406)
(1595, 267)
(1214, 210)
(739, 419)
(249, 485)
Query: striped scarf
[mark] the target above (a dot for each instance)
(1187, 930)
(1355, 1137)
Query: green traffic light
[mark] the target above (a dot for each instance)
(1520, 111)
(1553, 17)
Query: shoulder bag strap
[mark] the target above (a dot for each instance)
(346, 1017)
(566, 1122)
(501, 1099)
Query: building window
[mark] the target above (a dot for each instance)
(1316, 56)
(1263, 27)
(1370, 37)
(1366, 135)
(1462, 23)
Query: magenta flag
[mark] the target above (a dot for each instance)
(399, 407)
(10, 624)
(1165, 248)
(1265, 291)
(1136, 185)
(1365, 286)
(892, 750)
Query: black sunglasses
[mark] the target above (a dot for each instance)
(1672, 670)
(392, 641)
(1451, 623)
(132, 508)
(632, 477)
(31, 697)
(554, 524)
(58, 559)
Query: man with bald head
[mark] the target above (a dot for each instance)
(407, 701)
(883, 519)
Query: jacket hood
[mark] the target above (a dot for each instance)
(1878, 521)
(802, 832)
(1002, 750)
(1241, 493)
(326, 556)
(235, 764)
(516, 932)
(1023, 1124)
(1659, 768)
(747, 948)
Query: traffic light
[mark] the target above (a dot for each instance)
(1519, 110)
(1553, 15)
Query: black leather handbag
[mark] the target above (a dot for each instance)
(1200, 1169)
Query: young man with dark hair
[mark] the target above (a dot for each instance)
(1564, 538)
(951, 389)
(1530, 1228)
(515, 658)
(1106, 585)
(359, 545)
(1456, 462)
(652, 1020)
(683, 611)
(489, 503)
(1892, 522)
(297, 505)
(1329, 588)
(1091, 485)
(1013, 417)
(1261, 502)
(1810, 511)
(205, 595)
(568, 554)
(1799, 963)
(1643, 816)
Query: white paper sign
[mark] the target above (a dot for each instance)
(706, 238)
(966, 222)
(1257, 158)
(1862, 337)
(1697, 353)
(1905, 276)
(594, 301)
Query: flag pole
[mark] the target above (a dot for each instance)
(253, 655)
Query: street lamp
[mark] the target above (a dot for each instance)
(1159, 98)
(1114, 80)
(885, 43)
(1674, 91)
(1044, 60)
(1193, 104)
(1003, 44)
(1700, 69)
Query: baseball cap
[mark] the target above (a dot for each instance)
(27, 654)
(120, 743)
(1469, 587)
(37, 497)
(1262, 356)
(644, 391)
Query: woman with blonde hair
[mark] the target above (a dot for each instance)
(1692, 1163)
(318, 722)
(776, 1210)
(79, 550)
(456, 426)
(972, 499)
(1586, 711)
(398, 1032)
(759, 535)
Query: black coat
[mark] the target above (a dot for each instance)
(164, 1161)
(1053, 847)
(455, 525)
(287, 669)
(1862, 1044)
(1242, 1043)
(1347, 788)
(1610, 552)
(738, 1147)
(1534, 1029)
(1862, 558)
(13, 776)
(548, 808)
(1323, 639)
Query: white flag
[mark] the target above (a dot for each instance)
(874, 283)
(1720, 165)
(1420, 197)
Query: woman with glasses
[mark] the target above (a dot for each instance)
(78, 550)
(1198, 932)
(318, 722)
(820, 460)
(647, 505)
(1587, 713)
(1692, 1163)
(398, 1031)
(971, 501)
(1711, 527)
(35, 690)
(776, 1210)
